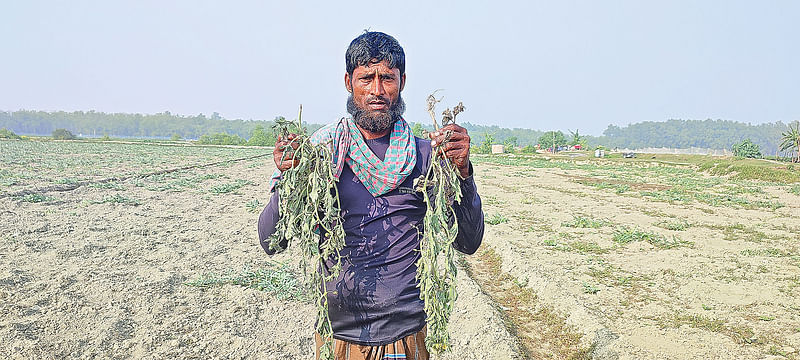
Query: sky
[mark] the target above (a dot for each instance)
(532, 64)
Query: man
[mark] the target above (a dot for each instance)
(374, 304)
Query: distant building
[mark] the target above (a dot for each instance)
(599, 153)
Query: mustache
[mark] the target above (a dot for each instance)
(377, 98)
(376, 121)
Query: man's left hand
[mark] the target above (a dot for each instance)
(456, 149)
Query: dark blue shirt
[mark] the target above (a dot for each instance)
(375, 299)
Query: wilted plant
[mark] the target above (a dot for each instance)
(436, 267)
(309, 208)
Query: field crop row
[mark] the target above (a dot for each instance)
(40, 163)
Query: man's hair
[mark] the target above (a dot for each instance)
(374, 46)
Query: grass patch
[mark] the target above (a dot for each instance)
(179, 184)
(253, 205)
(590, 289)
(587, 247)
(495, 219)
(670, 195)
(674, 225)
(584, 222)
(750, 169)
(736, 201)
(735, 232)
(685, 196)
(542, 332)
(67, 181)
(117, 199)
(770, 252)
(626, 235)
(111, 185)
(36, 198)
(229, 187)
(618, 188)
(275, 278)
(583, 247)
(795, 189)
(739, 334)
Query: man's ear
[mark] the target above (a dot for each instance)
(347, 84)
(402, 82)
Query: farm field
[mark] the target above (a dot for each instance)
(581, 258)
(646, 260)
(144, 268)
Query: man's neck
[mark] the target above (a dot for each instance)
(369, 135)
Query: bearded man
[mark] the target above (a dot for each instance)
(374, 304)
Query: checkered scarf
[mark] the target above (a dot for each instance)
(379, 177)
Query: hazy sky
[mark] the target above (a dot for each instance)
(532, 64)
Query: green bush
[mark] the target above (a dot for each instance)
(63, 134)
(8, 134)
(221, 139)
(747, 149)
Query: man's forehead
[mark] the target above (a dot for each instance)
(374, 64)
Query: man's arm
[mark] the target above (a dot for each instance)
(267, 222)
(270, 215)
(469, 217)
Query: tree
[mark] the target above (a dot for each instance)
(550, 138)
(790, 141)
(486, 145)
(510, 144)
(261, 137)
(62, 134)
(577, 139)
(418, 130)
(8, 134)
(747, 149)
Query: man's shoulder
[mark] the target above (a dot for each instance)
(324, 133)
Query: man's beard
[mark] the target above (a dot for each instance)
(376, 121)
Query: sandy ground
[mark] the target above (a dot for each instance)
(732, 294)
(101, 272)
(80, 279)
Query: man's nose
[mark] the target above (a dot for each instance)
(377, 86)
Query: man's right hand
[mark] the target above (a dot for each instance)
(289, 161)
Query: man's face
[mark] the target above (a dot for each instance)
(375, 101)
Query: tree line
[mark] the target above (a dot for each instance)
(93, 123)
(674, 133)
(682, 134)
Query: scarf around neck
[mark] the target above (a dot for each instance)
(378, 176)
